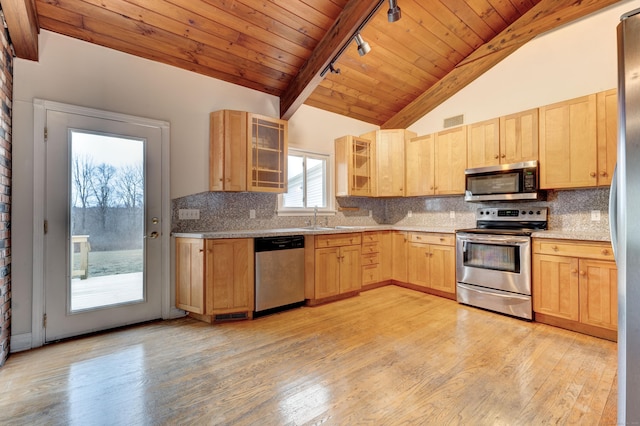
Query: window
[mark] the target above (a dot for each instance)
(309, 184)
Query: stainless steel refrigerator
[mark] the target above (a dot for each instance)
(624, 216)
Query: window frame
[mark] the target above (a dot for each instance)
(329, 210)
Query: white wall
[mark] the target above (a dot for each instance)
(575, 60)
(563, 64)
(76, 72)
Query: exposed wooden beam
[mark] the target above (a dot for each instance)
(22, 22)
(308, 78)
(543, 17)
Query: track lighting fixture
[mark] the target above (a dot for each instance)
(363, 46)
(394, 14)
(333, 70)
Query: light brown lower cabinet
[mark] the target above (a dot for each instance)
(215, 278)
(376, 257)
(575, 286)
(337, 266)
(431, 260)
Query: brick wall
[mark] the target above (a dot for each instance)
(6, 96)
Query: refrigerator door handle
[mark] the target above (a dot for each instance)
(613, 211)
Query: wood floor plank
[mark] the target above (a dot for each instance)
(389, 356)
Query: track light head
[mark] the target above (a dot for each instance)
(363, 46)
(333, 70)
(394, 14)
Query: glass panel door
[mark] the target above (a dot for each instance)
(107, 220)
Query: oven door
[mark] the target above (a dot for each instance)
(500, 262)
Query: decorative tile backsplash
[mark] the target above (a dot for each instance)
(569, 210)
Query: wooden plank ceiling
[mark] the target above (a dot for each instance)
(280, 47)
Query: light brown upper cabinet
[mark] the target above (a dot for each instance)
(389, 161)
(483, 143)
(519, 137)
(607, 113)
(504, 140)
(354, 166)
(450, 161)
(578, 142)
(247, 152)
(419, 166)
(435, 163)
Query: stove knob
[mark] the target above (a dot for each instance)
(530, 212)
(523, 212)
(538, 212)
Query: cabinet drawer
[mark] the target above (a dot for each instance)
(337, 240)
(373, 247)
(370, 259)
(370, 274)
(429, 238)
(583, 249)
(370, 236)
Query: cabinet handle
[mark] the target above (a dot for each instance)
(554, 248)
(582, 273)
(605, 252)
(496, 157)
(441, 239)
(573, 271)
(604, 174)
(503, 156)
(592, 174)
(201, 251)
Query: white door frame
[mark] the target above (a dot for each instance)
(40, 108)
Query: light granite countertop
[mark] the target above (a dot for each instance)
(256, 233)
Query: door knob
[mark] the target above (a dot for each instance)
(154, 235)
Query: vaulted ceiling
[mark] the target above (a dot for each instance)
(286, 47)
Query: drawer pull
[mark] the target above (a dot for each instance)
(554, 248)
(582, 273)
(592, 174)
(605, 252)
(573, 271)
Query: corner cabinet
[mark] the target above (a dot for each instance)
(389, 161)
(354, 166)
(247, 152)
(214, 278)
(575, 286)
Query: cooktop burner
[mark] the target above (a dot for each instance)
(494, 220)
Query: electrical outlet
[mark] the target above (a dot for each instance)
(452, 214)
(188, 214)
(252, 214)
(595, 215)
(409, 213)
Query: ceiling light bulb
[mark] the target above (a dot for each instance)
(394, 14)
(363, 46)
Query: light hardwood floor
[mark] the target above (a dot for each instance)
(389, 356)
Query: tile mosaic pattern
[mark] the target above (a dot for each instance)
(569, 211)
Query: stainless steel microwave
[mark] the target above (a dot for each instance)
(506, 182)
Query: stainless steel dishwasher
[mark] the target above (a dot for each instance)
(279, 273)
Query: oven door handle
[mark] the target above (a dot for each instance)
(494, 239)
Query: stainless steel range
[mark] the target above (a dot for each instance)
(493, 261)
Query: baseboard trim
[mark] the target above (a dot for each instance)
(20, 342)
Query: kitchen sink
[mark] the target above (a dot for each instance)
(349, 227)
